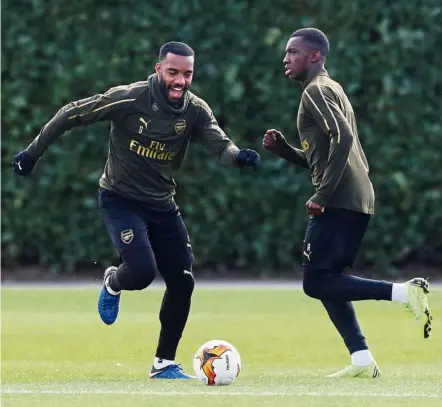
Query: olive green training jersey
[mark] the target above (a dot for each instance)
(148, 137)
(331, 148)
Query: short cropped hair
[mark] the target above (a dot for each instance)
(314, 37)
(177, 48)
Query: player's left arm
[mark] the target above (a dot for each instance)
(217, 141)
(322, 103)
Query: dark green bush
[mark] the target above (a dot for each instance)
(384, 53)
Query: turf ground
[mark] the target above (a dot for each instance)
(57, 352)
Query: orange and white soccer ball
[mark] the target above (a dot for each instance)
(217, 363)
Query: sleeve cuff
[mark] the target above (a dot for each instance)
(32, 155)
(228, 155)
(319, 199)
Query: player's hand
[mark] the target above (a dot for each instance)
(274, 141)
(23, 163)
(314, 209)
(248, 158)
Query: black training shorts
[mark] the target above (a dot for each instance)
(332, 240)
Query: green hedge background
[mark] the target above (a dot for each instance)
(385, 54)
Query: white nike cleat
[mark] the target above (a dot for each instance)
(417, 303)
(370, 371)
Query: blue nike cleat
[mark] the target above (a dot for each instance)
(108, 304)
(170, 372)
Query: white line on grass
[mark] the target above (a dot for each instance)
(217, 393)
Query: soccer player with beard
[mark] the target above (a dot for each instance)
(343, 202)
(152, 123)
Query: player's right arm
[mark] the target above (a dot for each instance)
(111, 105)
(100, 107)
(275, 142)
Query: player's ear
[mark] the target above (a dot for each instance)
(158, 68)
(316, 55)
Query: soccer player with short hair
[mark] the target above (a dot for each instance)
(152, 124)
(343, 202)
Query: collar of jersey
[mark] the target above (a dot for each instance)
(313, 75)
(161, 99)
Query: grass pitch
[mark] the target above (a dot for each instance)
(57, 352)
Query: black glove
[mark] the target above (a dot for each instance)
(248, 158)
(23, 163)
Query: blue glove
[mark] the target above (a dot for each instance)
(23, 163)
(248, 158)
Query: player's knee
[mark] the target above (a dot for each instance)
(310, 289)
(188, 285)
(182, 282)
(142, 266)
(310, 284)
(144, 276)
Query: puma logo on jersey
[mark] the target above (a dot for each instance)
(140, 130)
(144, 121)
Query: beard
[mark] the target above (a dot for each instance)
(165, 90)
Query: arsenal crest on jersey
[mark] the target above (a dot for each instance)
(180, 127)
